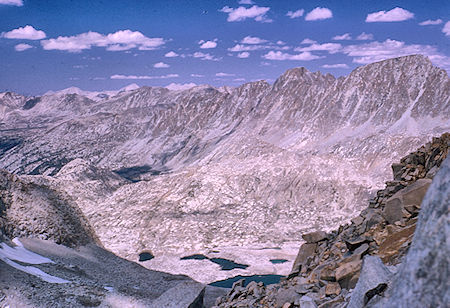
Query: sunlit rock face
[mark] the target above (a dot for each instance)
(257, 165)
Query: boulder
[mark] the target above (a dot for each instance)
(410, 195)
(373, 279)
(305, 251)
(314, 237)
(346, 271)
(332, 288)
(307, 302)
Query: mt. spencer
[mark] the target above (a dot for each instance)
(206, 169)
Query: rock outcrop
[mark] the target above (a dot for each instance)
(328, 266)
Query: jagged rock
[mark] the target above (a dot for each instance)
(373, 279)
(306, 250)
(410, 196)
(286, 296)
(332, 288)
(346, 271)
(395, 244)
(315, 236)
(422, 280)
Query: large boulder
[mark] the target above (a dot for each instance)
(409, 197)
(422, 280)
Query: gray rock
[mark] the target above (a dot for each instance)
(306, 250)
(307, 302)
(212, 294)
(410, 195)
(315, 236)
(422, 280)
(374, 278)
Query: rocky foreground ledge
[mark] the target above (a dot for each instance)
(378, 260)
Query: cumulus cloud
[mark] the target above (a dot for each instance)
(249, 2)
(161, 65)
(365, 37)
(319, 13)
(243, 55)
(144, 76)
(330, 47)
(396, 14)
(343, 37)
(280, 56)
(22, 47)
(446, 28)
(180, 86)
(253, 40)
(24, 33)
(378, 51)
(117, 41)
(197, 75)
(205, 56)
(171, 54)
(224, 75)
(430, 22)
(339, 65)
(12, 2)
(296, 14)
(208, 44)
(241, 13)
(281, 43)
(308, 41)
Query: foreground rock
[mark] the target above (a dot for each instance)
(423, 277)
(354, 265)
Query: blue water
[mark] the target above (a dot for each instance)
(226, 265)
(278, 261)
(266, 279)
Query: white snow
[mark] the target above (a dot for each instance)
(21, 254)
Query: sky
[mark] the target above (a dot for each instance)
(106, 45)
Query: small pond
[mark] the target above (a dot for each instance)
(225, 264)
(278, 261)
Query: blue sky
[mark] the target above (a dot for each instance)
(106, 45)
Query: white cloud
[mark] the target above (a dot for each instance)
(296, 14)
(339, 65)
(144, 77)
(396, 14)
(197, 75)
(243, 55)
(446, 28)
(117, 41)
(330, 47)
(308, 41)
(171, 54)
(278, 55)
(252, 40)
(365, 37)
(224, 75)
(180, 86)
(431, 22)
(24, 33)
(343, 37)
(319, 13)
(240, 48)
(22, 47)
(161, 65)
(205, 56)
(239, 79)
(281, 43)
(378, 51)
(208, 44)
(12, 2)
(241, 13)
(249, 2)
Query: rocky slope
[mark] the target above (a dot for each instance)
(327, 271)
(205, 169)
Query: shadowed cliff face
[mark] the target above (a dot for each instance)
(253, 164)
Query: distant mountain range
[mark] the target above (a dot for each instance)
(152, 168)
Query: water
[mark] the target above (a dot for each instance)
(278, 261)
(145, 256)
(226, 265)
(266, 279)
